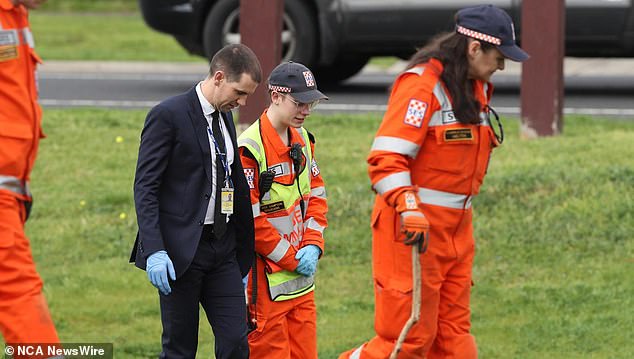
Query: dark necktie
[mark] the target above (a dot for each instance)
(220, 220)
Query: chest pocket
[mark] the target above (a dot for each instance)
(452, 149)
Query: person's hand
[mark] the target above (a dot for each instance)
(245, 280)
(413, 222)
(157, 267)
(307, 257)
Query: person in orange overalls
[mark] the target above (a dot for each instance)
(426, 164)
(24, 314)
(289, 210)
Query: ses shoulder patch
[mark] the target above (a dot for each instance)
(415, 114)
(249, 173)
(314, 168)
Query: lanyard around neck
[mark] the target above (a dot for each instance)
(223, 156)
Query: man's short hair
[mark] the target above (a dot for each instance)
(235, 60)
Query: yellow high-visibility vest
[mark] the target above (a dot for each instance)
(283, 284)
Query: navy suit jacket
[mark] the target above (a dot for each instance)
(172, 186)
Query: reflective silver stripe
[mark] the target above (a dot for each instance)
(436, 119)
(304, 134)
(311, 223)
(416, 70)
(441, 96)
(396, 145)
(484, 119)
(280, 250)
(247, 141)
(447, 117)
(444, 199)
(412, 214)
(445, 114)
(284, 225)
(356, 354)
(280, 169)
(287, 168)
(292, 285)
(14, 185)
(393, 181)
(256, 209)
(27, 35)
(318, 192)
(306, 140)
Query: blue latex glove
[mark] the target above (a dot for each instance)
(158, 266)
(245, 281)
(307, 257)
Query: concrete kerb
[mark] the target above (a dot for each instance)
(124, 67)
(573, 67)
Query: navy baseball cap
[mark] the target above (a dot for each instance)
(493, 25)
(297, 80)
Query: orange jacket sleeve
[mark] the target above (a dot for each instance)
(401, 133)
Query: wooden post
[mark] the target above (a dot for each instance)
(260, 29)
(542, 88)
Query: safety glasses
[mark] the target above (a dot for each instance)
(300, 105)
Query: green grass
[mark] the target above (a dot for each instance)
(553, 226)
(384, 62)
(90, 5)
(102, 36)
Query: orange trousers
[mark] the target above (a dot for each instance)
(286, 329)
(24, 314)
(444, 325)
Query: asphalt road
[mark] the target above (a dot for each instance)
(124, 87)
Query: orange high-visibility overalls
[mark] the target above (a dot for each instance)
(286, 328)
(24, 314)
(421, 147)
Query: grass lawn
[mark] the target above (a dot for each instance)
(102, 36)
(554, 226)
(90, 6)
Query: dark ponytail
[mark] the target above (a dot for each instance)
(451, 50)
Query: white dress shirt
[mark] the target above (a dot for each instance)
(208, 109)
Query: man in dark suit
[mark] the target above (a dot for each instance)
(195, 237)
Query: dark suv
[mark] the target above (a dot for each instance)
(337, 37)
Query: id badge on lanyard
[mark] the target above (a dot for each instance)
(226, 192)
(226, 200)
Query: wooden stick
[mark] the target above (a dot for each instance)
(416, 298)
